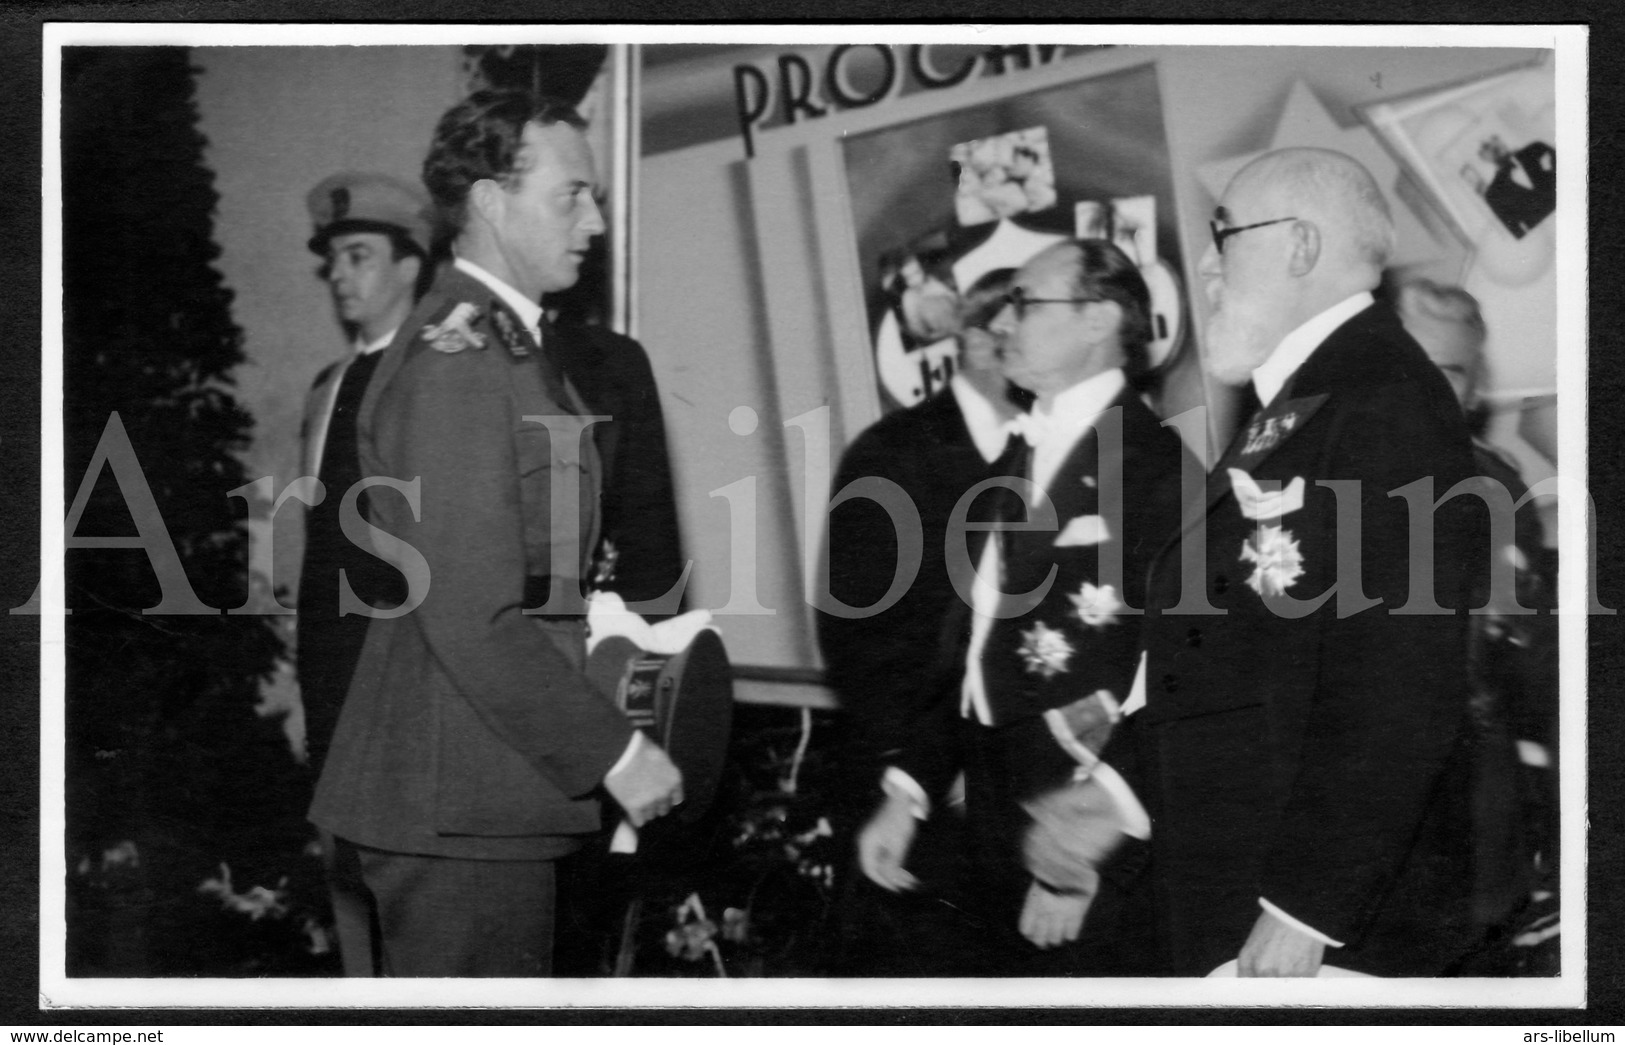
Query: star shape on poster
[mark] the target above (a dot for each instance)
(1305, 122)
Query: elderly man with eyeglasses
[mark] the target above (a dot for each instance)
(1045, 635)
(1291, 756)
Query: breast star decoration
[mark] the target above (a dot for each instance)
(1044, 650)
(1277, 561)
(1097, 607)
(456, 332)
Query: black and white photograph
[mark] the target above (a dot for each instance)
(892, 517)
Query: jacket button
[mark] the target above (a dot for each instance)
(1170, 683)
(1193, 638)
(1221, 584)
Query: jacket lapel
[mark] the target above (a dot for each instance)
(586, 394)
(1261, 438)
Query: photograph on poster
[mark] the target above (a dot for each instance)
(938, 203)
(1484, 152)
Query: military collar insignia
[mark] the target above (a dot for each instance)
(1268, 430)
(455, 332)
(514, 338)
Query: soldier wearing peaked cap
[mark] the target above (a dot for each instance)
(373, 233)
(473, 747)
(362, 201)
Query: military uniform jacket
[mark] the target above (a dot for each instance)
(1116, 500)
(469, 729)
(1308, 754)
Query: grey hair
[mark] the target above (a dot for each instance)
(1335, 190)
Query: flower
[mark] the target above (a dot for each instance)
(1278, 561)
(1045, 650)
(258, 902)
(1097, 607)
(691, 940)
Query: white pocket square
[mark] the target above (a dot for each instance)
(1084, 530)
(1257, 503)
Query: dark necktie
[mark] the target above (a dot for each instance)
(1009, 506)
(340, 467)
(327, 550)
(552, 374)
(329, 645)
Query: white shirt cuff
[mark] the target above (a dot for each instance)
(1295, 924)
(632, 746)
(899, 784)
(1135, 821)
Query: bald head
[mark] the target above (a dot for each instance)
(1336, 193)
(1297, 231)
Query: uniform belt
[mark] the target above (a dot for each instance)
(538, 590)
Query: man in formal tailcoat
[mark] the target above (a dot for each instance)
(639, 554)
(372, 232)
(1291, 751)
(1523, 191)
(1046, 637)
(882, 648)
(472, 748)
(914, 464)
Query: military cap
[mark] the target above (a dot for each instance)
(361, 201)
(683, 701)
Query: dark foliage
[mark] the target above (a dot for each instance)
(747, 891)
(164, 748)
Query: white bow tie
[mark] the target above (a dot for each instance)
(1032, 427)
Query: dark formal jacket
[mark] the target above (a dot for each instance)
(1116, 500)
(1309, 755)
(886, 667)
(1521, 209)
(639, 555)
(329, 644)
(469, 729)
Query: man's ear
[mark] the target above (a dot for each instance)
(485, 198)
(1305, 247)
(417, 266)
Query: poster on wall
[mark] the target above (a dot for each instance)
(1485, 153)
(945, 206)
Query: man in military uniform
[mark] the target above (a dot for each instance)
(373, 232)
(472, 746)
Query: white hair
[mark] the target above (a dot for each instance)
(1336, 192)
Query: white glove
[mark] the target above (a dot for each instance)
(607, 615)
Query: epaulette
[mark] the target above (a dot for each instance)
(455, 330)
